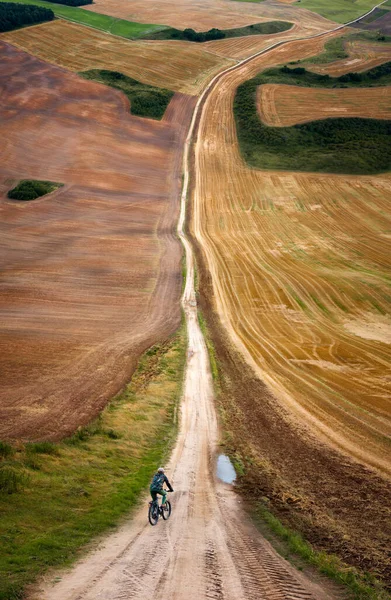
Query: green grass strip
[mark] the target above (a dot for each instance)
(362, 586)
(145, 100)
(337, 10)
(120, 27)
(54, 498)
(335, 145)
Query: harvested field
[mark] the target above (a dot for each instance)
(293, 258)
(179, 66)
(362, 55)
(90, 274)
(286, 105)
(223, 14)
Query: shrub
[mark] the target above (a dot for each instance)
(11, 481)
(72, 2)
(30, 189)
(42, 448)
(5, 450)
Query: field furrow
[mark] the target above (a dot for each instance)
(300, 266)
(90, 274)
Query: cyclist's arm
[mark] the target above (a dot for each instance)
(168, 484)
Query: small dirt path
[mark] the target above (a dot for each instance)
(208, 549)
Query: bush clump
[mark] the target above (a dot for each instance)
(32, 189)
(72, 2)
(6, 450)
(13, 15)
(145, 100)
(42, 448)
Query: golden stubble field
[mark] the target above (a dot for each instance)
(300, 266)
(285, 105)
(179, 66)
(223, 14)
(90, 274)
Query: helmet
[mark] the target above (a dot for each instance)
(160, 470)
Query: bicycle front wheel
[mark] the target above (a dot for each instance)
(166, 512)
(153, 513)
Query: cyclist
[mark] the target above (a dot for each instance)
(159, 479)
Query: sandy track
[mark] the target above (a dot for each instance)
(286, 105)
(90, 274)
(180, 66)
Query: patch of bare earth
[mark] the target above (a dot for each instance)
(90, 274)
(286, 105)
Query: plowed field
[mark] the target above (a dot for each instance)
(362, 55)
(223, 14)
(285, 105)
(300, 268)
(179, 66)
(90, 274)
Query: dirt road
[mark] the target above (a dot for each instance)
(206, 549)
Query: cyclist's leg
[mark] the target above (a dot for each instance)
(163, 494)
(154, 496)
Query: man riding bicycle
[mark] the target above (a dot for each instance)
(159, 479)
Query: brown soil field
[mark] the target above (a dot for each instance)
(223, 14)
(362, 55)
(286, 105)
(296, 259)
(294, 283)
(179, 66)
(90, 274)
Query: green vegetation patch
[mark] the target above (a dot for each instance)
(30, 189)
(72, 2)
(13, 15)
(341, 12)
(336, 145)
(56, 497)
(145, 100)
(120, 27)
(190, 35)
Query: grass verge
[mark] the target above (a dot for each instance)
(335, 145)
(145, 100)
(290, 544)
(30, 189)
(120, 27)
(57, 497)
(171, 33)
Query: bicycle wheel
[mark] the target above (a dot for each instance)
(166, 512)
(153, 513)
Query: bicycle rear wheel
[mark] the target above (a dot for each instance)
(166, 512)
(153, 513)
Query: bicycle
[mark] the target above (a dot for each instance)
(155, 511)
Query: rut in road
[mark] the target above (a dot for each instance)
(208, 549)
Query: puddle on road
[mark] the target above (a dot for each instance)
(225, 470)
